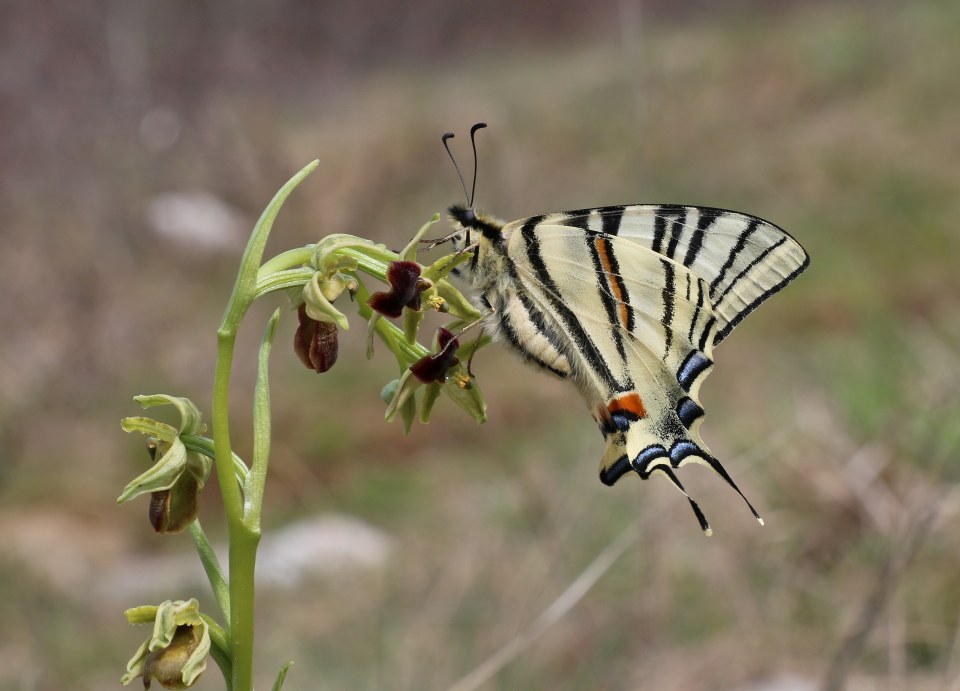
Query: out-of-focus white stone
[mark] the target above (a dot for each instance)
(321, 545)
(198, 220)
(783, 682)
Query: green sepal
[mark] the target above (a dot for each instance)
(406, 387)
(430, 395)
(411, 324)
(371, 330)
(319, 307)
(409, 253)
(408, 413)
(144, 614)
(167, 471)
(150, 427)
(344, 245)
(470, 399)
(457, 305)
(190, 418)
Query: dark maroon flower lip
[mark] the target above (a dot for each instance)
(315, 342)
(434, 368)
(405, 288)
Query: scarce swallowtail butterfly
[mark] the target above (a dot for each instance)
(627, 302)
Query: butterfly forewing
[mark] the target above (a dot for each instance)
(743, 259)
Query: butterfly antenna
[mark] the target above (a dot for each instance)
(473, 143)
(444, 138)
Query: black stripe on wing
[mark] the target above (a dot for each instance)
(536, 318)
(676, 215)
(679, 216)
(580, 338)
(610, 217)
(722, 334)
(609, 300)
(697, 309)
(705, 219)
(737, 248)
(669, 286)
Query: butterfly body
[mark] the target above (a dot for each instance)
(628, 302)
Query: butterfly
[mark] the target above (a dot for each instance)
(628, 303)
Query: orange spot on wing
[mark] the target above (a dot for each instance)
(628, 402)
(603, 250)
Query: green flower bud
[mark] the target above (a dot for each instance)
(177, 476)
(176, 653)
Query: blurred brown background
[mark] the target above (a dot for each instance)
(139, 141)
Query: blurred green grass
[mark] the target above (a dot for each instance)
(835, 407)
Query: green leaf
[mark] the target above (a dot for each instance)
(282, 676)
(257, 477)
(244, 289)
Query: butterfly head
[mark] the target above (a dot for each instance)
(471, 226)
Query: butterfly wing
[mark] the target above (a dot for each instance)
(743, 259)
(634, 327)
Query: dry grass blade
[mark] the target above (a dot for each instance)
(874, 605)
(552, 614)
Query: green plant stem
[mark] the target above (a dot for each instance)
(243, 559)
(243, 537)
(243, 545)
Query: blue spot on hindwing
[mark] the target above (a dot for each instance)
(622, 419)
(688, 411)
(683, 448)
(646, 457)
(693, 366)
(615, 471)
